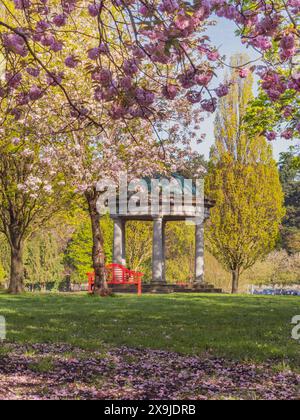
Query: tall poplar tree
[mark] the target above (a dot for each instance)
(244, 182)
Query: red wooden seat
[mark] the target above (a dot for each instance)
(118, 274)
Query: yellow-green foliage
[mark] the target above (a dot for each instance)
(2, 274)
(180, 249)
(180, 252)
(78, 254)
(139, 247)
(278, 268)
(243, 180)
(244, 223)
(4, 259)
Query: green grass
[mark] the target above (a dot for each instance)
(236, 327)
(43, 366)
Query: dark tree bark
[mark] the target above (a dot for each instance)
(98, 251)
(16, 284)
(235, 281)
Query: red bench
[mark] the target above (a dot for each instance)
(118, 274)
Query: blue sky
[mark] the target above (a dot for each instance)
(222, 35)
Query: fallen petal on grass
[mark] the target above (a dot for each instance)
(49, 372)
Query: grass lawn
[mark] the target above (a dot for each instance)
(245, 328)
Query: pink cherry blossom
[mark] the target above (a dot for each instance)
(155, 43)
(194, 97)
(94, 53)
(71, 61)
(42, 26)
(222, 90)
(94, 9)
(151, 373)
(183, 22)
(146, 10)
(16, 44)
(130, 67)
(287, 46)
(294, 3)
(209, 105)
(35, 93)
(244, 73)
(16, 113)
(271, 135)
(22, 4)
(54, 79)
(203, 79)
(144, 97)
(60, 20)
(288, 111)
(262, 42)
(48, 40)
(187, 79)
(57, 46)
(170, 91)
(33, 71)
(287, 134)
(13, 80)
(169, 6)
(16, 141)
(103, 76)
(23, 98)
(213, 55)
(126, 83)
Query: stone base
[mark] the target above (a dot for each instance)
(161, 288)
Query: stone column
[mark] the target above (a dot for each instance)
(164, 251)
(158, 251)
(119, 251)
(199, 255)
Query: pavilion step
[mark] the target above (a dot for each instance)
(166, 288)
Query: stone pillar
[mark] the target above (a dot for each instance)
(164, 251)
(158, 251)
(199, 255)
(119, 251)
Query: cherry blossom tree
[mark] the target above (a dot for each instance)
(90, 161)
(70, 66)
(133, 53)
(31, 192)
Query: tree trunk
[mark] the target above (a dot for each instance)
(98, 252)
(235, 281)
(16, 284)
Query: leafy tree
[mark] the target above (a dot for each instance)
(4, 255)
(43, 260)
(193, 167)
(139, 246)
(244, 182)
(232, 132)
(78, 254)
(2, 274)
(4, 259)
(136, 56)
(244, 224)
(180, 252)
(30, 193)
(290, 178)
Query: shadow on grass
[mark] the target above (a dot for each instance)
(239, 327)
